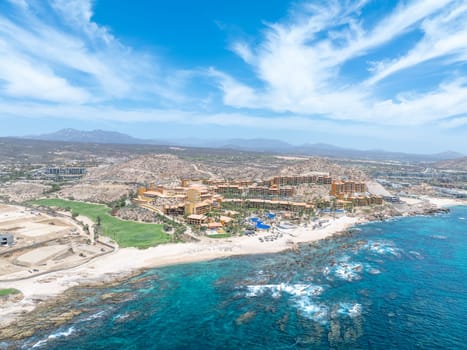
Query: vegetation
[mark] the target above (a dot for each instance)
(125, 233)
(179, 228)
(220, 235)
(55, 187)
(8, 291)
(120, 203)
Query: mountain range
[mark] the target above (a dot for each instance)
(254, 145)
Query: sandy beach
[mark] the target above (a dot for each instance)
(127, 261)
(445, 202)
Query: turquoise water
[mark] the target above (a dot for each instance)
(399, 284)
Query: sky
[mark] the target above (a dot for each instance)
(364, 74)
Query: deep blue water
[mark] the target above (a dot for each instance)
(399, 284)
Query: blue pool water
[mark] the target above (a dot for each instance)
(399, 284)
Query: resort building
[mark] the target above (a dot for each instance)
(194, 199)
(237, 191)
(198, 208)
(215, 225)
(354, 193)
(367, 200)
(225, 219)
(196, 219)
(272, 204)
(344, 189)
(186, 199)
(229, 190)
(343, 204)
(315, 178)
(174, 210)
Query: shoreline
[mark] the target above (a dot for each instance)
(127, 262)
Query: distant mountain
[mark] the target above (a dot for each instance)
(333, 151)
(254, 145)
(321, 146)
(459, 164)
(258, 145)
(449, 155)
(94, 136)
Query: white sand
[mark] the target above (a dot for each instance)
(440, 202)
(411, 201)
(445, 202)
(127, 260)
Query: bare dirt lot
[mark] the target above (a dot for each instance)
(42, 243)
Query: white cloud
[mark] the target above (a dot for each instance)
(243, 50)
(300, 64)
(454, 123)
(22, 79)
(183, 118)
(443, 35)
(80, 54)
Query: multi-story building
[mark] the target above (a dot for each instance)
(229, 190)
(66, 172)
(174, 210)
(183, 200)
(347, 189)
(196, 219)
(272, 191)
(272, 204)
(367, 200)
(295, 180)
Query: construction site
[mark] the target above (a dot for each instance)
(36, 242)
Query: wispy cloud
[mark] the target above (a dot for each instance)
(66, 57)
(300, 63)
(443, 36)
(182, 118)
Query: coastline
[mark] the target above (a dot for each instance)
(126, 262)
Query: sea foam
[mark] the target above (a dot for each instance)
(276, 290)
(94, 316)
(344, 270)
(382, 248)
(61, 334)
(349, 309)
(314, 311)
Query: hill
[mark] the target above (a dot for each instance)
(459, 164)
(93, 136)
(253, 145)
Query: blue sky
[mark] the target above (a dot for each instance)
(362, 74)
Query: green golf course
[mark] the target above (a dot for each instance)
(125, 233)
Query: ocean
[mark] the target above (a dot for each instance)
(399, 284)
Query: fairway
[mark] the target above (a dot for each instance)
(125, 233)
(8, 291)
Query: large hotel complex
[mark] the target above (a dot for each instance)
(195, 198)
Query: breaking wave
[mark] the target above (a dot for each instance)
(62, 334)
